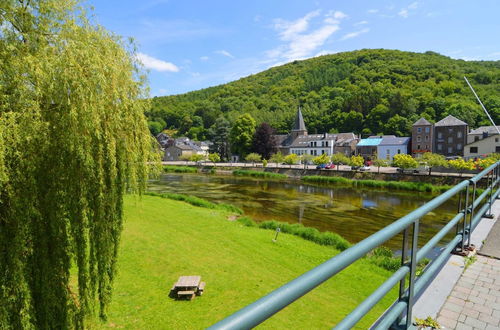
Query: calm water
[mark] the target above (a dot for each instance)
(353, 213)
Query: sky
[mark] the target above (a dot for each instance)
(187, 45)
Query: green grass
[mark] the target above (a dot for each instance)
(200, 202)
(179, 169)
(259, 174)
(164, 239)
(393, 185)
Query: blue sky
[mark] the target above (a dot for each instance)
(188, 45)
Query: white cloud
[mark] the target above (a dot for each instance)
(224, 53)
(291, 29)
(354, 34)
(325, 52)
(361, 23)
(403, 13)
(156, 64)
(302, 42)
(372, 11)
(204, 58)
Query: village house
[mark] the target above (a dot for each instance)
(450, 136)
(481, 133)
(383, 147)
(483, 147)
(183, 148)
(299, 142)
(422, 137)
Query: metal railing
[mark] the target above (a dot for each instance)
(399, 315)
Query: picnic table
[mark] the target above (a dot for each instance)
(188, 287)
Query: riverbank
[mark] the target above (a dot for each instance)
(163, 239)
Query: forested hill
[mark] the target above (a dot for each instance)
(365, 91)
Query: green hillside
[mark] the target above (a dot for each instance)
(365, 91)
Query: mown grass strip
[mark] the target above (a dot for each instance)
(393, 185)
(196, 201)
(259, 174)
(179, 169)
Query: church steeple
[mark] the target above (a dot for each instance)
(299, 127)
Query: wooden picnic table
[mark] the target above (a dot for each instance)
(188, 287)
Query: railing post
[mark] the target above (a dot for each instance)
(413, 269)
(404, 256)
(464, 227)
(469, 229)
(490, 185)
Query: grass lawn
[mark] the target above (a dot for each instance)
(164, 239)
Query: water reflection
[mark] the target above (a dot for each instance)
(354, 213)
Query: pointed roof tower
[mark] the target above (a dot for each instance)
(299, 122)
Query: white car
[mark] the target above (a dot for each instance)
(364, 168)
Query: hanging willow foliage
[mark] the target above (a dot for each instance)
(73, 140)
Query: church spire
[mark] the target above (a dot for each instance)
(299, 122)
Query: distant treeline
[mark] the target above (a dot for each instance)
(365, 91)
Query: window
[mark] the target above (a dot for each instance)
(426, 138)
(418, 146)
(327, 143)
(419, 130)
(497, 149)
(418, 138)
(450, 130)
(426, 147)
(315, 144)
(459, 146)
(322, 152)
(450, 150)
(427, 129)
(440, 135)
(399, 151)
(312, 152)
(459, 134)
(315, 152)
(473, 150)
(450, 139)
(388, 152)
(476, 138)
(496, 139)
(440, 147)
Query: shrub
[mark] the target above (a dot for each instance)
(246, 221)
(259, 174)
(179, 169)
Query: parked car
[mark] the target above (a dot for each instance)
(321, 166)
(415, 170)
(330, 166)
(364, 168)
(355, 168)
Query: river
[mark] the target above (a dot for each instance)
(354, 213)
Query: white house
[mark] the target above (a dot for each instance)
(483, 147)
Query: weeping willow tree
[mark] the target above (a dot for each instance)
(73, 140)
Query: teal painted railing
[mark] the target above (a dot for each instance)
(399, 315)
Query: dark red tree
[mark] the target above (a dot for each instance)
(264, 142)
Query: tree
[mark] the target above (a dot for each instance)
(264, 142)
(321, 159)
(291, 159)
(214, 158)
(253, 157)
(305, 159)
(404, 161)
(196, 158)
(219, 134)
(155, 127)
(380, 162)
(356, 161)
(277, 158)
(339, 158)
(433, 160)
(461, 165)
(73, 140)
(241, 135)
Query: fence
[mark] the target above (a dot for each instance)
(471, 209)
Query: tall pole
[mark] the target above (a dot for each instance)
(481, 103)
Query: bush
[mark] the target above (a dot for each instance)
(308, 233)
(259, 174)
(393, 185)
(179, 169)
